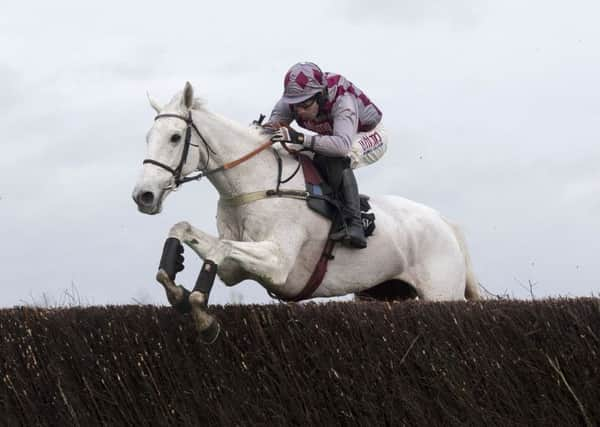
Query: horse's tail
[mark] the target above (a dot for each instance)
(471, 285)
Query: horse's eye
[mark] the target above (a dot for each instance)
(175, 138)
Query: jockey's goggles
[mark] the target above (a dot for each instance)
(306, 104)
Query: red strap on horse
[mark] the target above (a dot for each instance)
(312, 176)
(317, 276)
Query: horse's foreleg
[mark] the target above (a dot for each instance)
(171, 261)
(195, 238)
(207, 247)
(235, 261)
(262, 261)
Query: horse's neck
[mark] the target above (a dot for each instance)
(230, 141)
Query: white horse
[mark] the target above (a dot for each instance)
(277, 241)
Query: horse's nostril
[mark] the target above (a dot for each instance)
(147, 198)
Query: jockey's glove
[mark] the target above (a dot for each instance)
(288, 135)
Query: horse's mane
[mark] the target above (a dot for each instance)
(253, 134)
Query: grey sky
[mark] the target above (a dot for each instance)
(493, 108)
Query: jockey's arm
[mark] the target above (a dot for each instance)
(345, 127)
(280, 116)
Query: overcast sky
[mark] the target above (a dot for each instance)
(493, 109)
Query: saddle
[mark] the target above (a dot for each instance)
(323, 200)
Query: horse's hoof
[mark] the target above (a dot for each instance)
(197, 299)
(210, 334)
(181, 304)
(177, 295)
(162, 277)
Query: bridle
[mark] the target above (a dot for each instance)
(177, 172)
(179, 179)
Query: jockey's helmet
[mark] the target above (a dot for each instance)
(302, 81)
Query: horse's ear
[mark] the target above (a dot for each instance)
(153, 103)
(188, 95)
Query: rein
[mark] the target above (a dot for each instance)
(179, 179)
(240, 199)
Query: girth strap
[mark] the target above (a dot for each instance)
(318, 274)
(320, 269)
(245, 198)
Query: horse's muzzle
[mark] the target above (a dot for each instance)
(146, 198)
(146, 201)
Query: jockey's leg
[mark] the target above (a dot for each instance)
(341, 178)
(331, 169)
(352, 210)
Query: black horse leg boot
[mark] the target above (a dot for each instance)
(355, 235)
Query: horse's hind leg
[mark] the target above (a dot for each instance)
(441, 278)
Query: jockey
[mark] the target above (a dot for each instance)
(348, 131)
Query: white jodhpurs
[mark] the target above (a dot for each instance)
(368, 147)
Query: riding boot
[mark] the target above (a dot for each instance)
(353, 234)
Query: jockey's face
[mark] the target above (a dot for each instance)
(307, 110)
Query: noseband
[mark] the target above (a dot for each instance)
(186, 148)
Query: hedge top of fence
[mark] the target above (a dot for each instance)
(484, 362)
